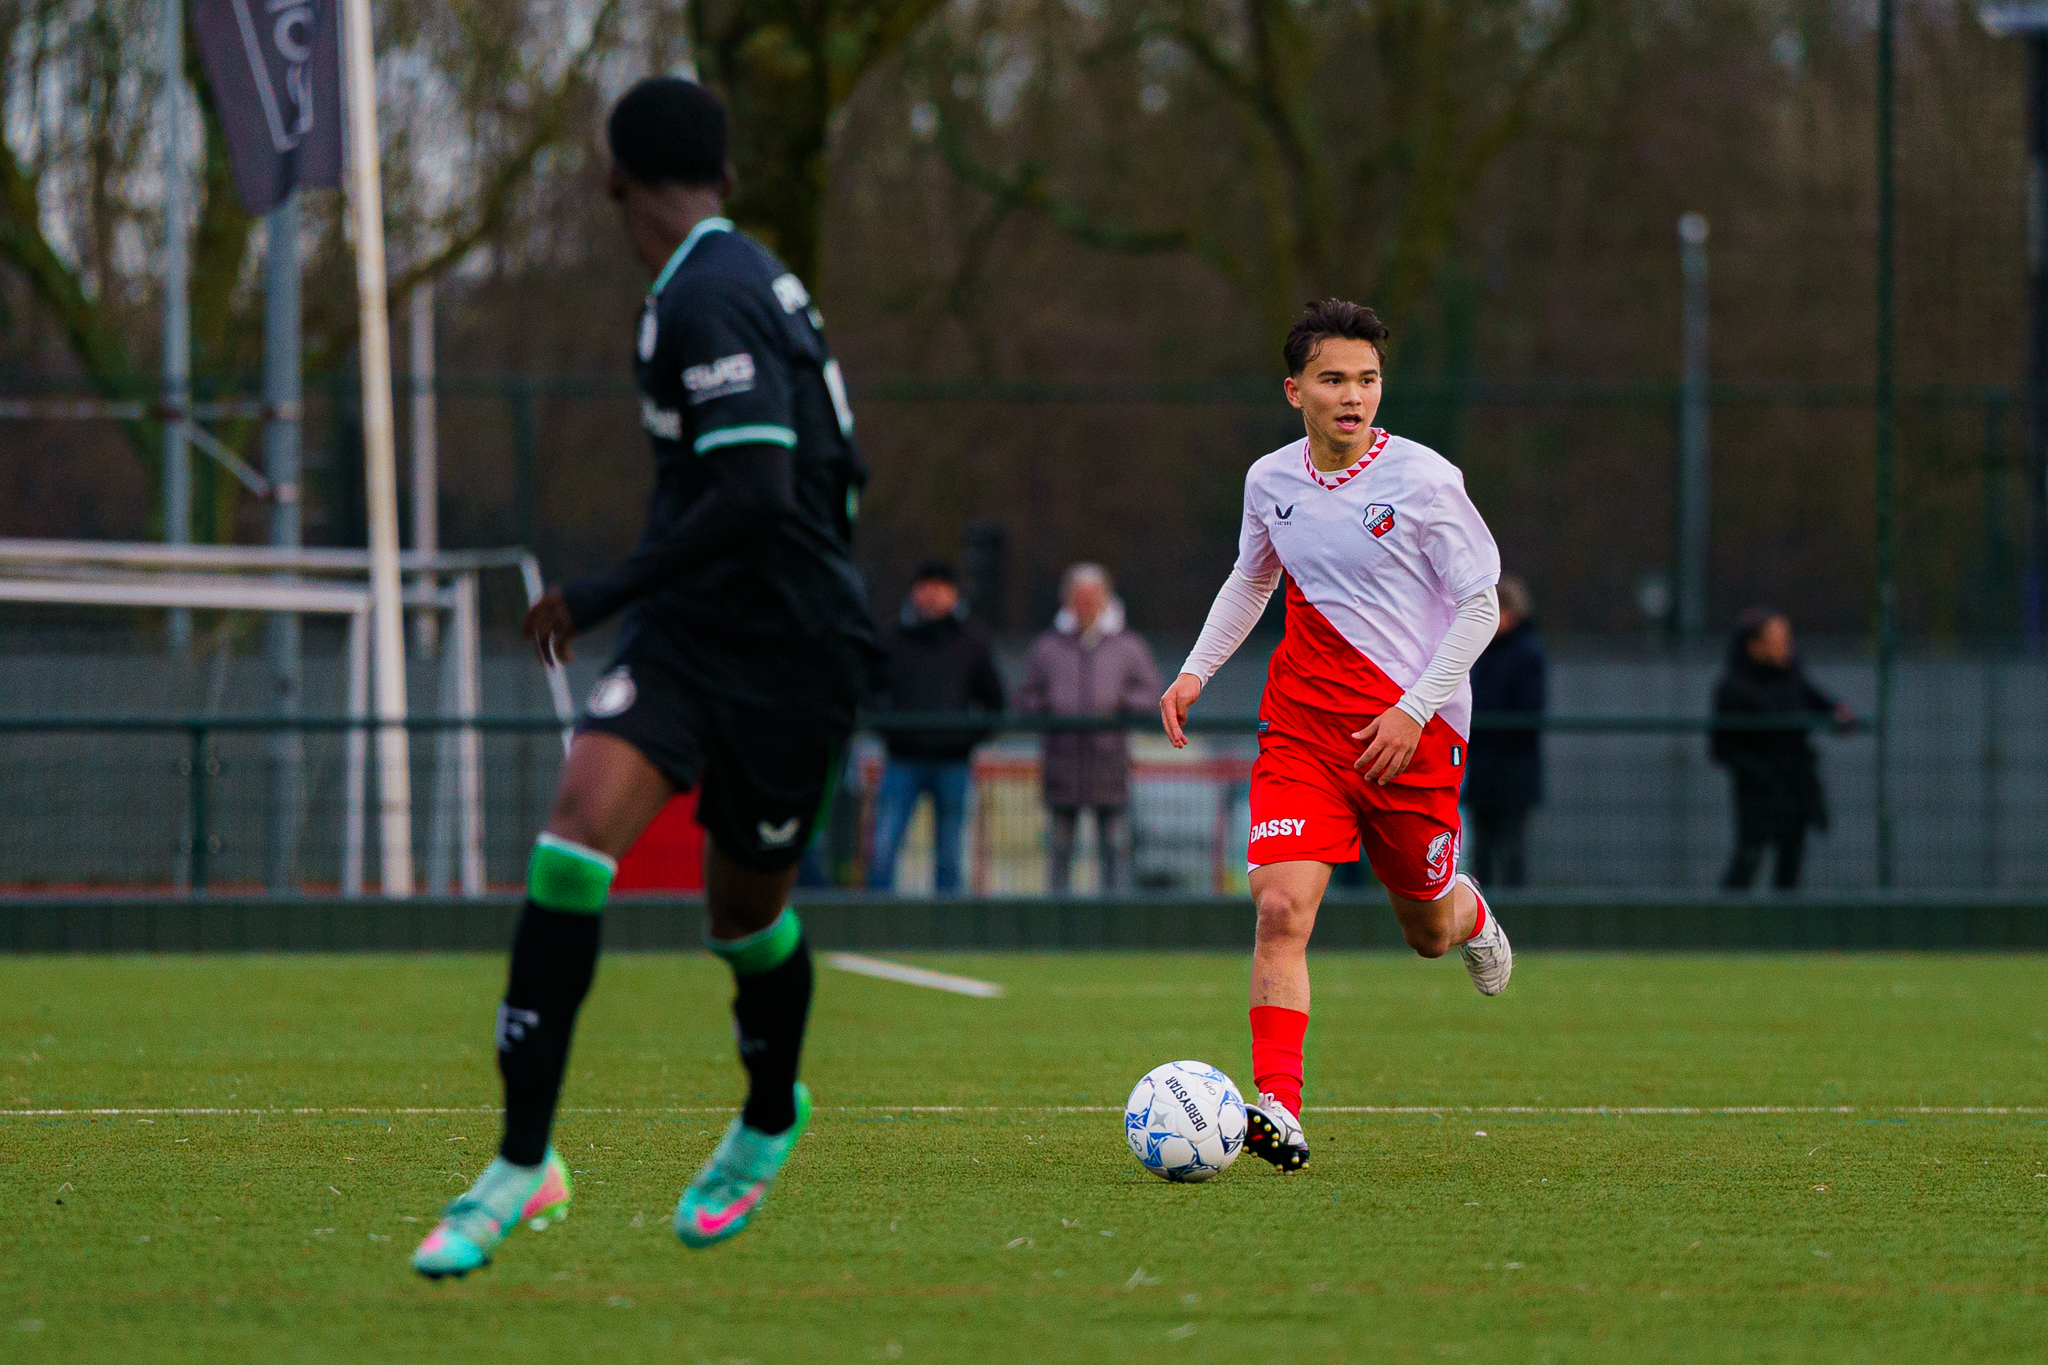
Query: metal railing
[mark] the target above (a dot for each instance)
(181, 804)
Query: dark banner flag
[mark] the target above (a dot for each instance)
(276, 72)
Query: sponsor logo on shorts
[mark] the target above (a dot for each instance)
(1440, 850)
(1379, 519)
(778, 836)
(613, 694)
(722, 378)
(1278, 829)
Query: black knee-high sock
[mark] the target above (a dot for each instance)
(769, 1011)
(554, 956)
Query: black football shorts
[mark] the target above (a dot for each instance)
(764, 775)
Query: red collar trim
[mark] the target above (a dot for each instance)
(1344, 476)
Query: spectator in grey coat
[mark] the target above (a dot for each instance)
(1089, 665)
(1504, 770)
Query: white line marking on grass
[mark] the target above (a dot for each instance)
(861, 965)
(1538, 1111)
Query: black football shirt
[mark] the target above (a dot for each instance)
(738, 389)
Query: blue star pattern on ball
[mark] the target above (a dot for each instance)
(1185, 1121)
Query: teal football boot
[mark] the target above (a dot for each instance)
(732, 1184)
(503, 1197)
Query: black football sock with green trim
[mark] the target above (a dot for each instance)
(772, 970)
(554, 958)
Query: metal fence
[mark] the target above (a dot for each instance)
(1633, 803)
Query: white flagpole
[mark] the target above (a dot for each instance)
(366, 199)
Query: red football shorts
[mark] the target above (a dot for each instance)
(1310, 805)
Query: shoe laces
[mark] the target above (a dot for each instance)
(473, 1219)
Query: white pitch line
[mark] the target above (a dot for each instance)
(861, 965)
(1562, 1111)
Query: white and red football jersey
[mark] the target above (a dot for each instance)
(1378, 556)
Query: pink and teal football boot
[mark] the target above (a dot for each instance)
(503, 1197)
(734, 1182)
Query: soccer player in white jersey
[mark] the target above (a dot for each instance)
(1390, 598)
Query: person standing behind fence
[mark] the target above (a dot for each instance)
(1504, 771)
(938, 661)
(1775, 772)
(1088, 665)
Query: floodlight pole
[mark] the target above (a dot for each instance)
(177, 357)
(394, 777)
(281, 394)
(2034, 589)
(1887, 404)
(2029, 19)
(1695, 483)
(426, 478)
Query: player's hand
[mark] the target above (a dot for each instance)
(550, 627)
(1389, 745)
(1173, 707)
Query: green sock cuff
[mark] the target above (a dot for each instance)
(759, 952)
(564, 875)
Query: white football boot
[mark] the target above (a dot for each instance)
(1487, 954)
(1270, 1132)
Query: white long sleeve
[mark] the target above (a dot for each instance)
(1239, 604)
(1471, 632)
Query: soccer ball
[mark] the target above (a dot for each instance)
(1185, 1121)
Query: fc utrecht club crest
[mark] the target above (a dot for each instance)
(613, 694)
(1440, 853)
(1379, 519)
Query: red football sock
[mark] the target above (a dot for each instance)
(1478, 916)
(1276, 1053)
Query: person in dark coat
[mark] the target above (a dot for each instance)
(1504, 768)
(938, 661)
(1775, 773)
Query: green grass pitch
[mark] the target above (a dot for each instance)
(965, 1194)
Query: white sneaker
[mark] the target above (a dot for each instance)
(1274, 1134)
(1487, 954)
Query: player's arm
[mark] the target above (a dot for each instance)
(1391, 738)
(753, 486)
(1460, 549)
(1238, 606)
(737, 387)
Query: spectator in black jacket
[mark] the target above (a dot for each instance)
(1504, 768)
(1775, 772)
(938, 661)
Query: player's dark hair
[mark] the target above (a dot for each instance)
(1333, 318)
(669, 131)
(935, 570)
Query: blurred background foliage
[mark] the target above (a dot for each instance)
(1056, 242)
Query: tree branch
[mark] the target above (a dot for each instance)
(99, 348)
(501, 184)
(1027, 190)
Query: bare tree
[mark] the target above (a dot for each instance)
(76, 73)
(1340, 142)
(786, 68)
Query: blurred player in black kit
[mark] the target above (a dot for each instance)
(746, 646)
